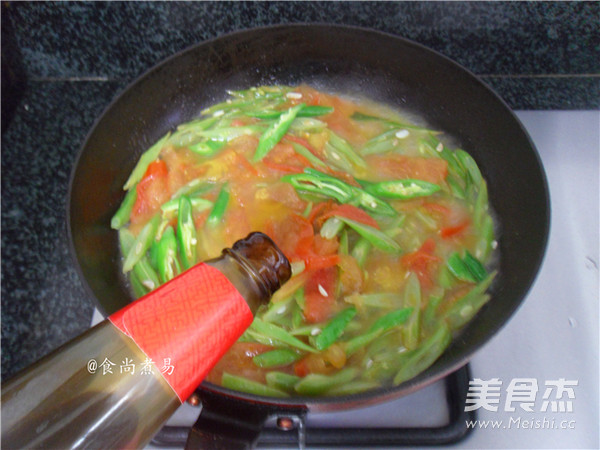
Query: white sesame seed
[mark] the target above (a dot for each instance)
(335, 156)
(294, 95)
(315, 331)
(323, 291)
(218, 113)
(402, 134)
(494, 245)
(194, 241)
(281, 310)
(138, 247)
(440, 147)
(369, 363)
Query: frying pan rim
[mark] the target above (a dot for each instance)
(376, 395)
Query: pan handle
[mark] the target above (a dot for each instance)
(231, 424)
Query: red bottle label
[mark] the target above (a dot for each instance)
(186, 325)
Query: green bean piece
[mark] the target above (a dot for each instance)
(198, 124)
(146, 274)
(186, 233)
(470, 165)
(430, 312)
(374, 236)
(360, 251)
(142, 243)
(331, 228)
(486, 242)
(383, 143)
(251, 387)
(429, 351)
(122, 215)
(455, 188)
(198, 204)
(279, 309)
(273, 331)
(154, 253)
(334, 328)
(343, 248)
(481, 206)
(303, 151)
(276, 358)
(412, 299)
(354, 387)
(380, 300)
(168, 264)
(195, 187)
(393, 123)
(139, 290)
(466, 307)
(316, 384)
(345, 150)
(281, 380)
(147, 157)
(227, 134)
(434, 147)
(297, 317)
(306, 111)
(218, 211)
(392, 319)
(446, 280)
(275, 132)
(404, 189)
(459, 269)
(475, 267)
(126, 240)
(380, 326)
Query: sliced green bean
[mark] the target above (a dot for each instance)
(142, 243)
(430, 312)
(139, 290)
(459, 269)
(276, 358)
(354, 387)
(334, 188)
(198, 124)
(466, 307)
(303, 151)
(334, 328)
(486, 241)
(186, 233)
(146, 274)
(275, 132)
(306, 111)
(275, 332)
(195, 187)
(480, 209)
(379, 300)
(279, 309)
(251, 387)
(343, 248)
(198, 204)
(430, 350)
(122, 215)
(475, 267)
(168, 264)
(153, 253)
(360, 251)
(147, 157)
(470, 165)
(218, 211)
(393, 123)
(412, 299)
(316, 384)
(331, 228)
(345, 151)
(227, 134)
(281, 380)
(374, 236)
(126, 240)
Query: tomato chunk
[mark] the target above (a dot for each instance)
(152, 192)
(319, 295)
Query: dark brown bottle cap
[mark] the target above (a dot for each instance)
(267, 260)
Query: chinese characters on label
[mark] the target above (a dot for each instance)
(147, 367)
(557, 395)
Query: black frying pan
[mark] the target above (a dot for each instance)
(340, 59)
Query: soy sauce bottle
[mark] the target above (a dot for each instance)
(115, 385)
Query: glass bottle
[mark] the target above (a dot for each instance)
(108, 388)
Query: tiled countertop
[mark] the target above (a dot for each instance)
(79, 56)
